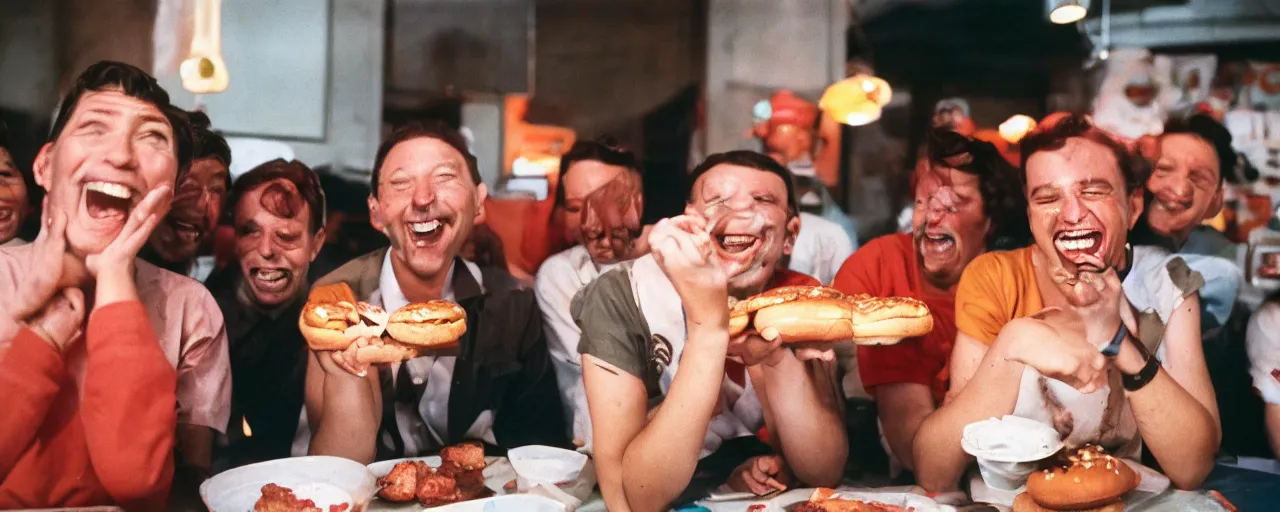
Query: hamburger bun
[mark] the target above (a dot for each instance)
(887, 320)
(1024, 503)
(324, 325)
(431, 324)
(741, 312)
(814, 320)
(1089, 478)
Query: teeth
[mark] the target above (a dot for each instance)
(270, 275)
(423, 228)
(738, 239)
(1083, 244)
(1075, 234)
(115, 190)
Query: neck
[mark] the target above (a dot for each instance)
(1180, 238)
(150, 255)
(416, 288)
(75, 274)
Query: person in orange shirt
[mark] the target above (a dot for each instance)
(1080, 331)
(967, 201)
(92, 409)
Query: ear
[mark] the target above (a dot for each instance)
(793, 230)
(375, 215)
(1136, 205)
(1215, 206)
(318, 245)
(482, 193)
(40, 168)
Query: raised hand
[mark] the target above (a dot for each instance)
(344, 362)
(1054, 342)
(1097, 298)
(39, 284)
(683, 248)
(765, 347)
(60, 320)
(122, 251)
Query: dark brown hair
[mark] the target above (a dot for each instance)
(605, 150)
(754, 160)
(1212, 133)
(1133, 167)
(290, 186)
(135, 83)
(423, 130)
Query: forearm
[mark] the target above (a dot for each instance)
(1273, 428)
(348, 423)
(195, 444)
(114, 285)
(30, 377)
(992, 392)
(1178, 430)
(659, 463)
(130, 399)
(903, 407)
(806, 420)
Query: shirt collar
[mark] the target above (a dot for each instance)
(393, 296)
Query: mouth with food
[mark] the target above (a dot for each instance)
(108, 204)
(1081, 246)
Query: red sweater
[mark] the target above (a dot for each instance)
(48, 458)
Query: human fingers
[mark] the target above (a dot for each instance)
(815, 354)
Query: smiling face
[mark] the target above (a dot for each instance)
(948, 226)
(747, 212)
(194, 213)
(112, 152)
(275, 252)
(426, 204)
(13, 197)
(583, 178)
(1078, 207)
(1186, 185)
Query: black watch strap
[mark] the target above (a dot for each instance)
(1143, 377)
(1113, 349)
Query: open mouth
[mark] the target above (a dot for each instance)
(270, 279)
(1173, 206)
(737, 244)
(424, 233)
(7, 213)
(105, 200)
(186, 231)
(1079, 242)
(939, 243)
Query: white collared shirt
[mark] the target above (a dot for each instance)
(437, 371)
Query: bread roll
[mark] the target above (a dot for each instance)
(432, 324)
(324, 325)
(815, 320)
(887, 320)
(1089, 478)
(1024, 503)
(741, 312)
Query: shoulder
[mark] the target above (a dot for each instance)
(165, 290)
(998, 265)
(556, 266)
(357, 270)
(12, 260)
(611, 287)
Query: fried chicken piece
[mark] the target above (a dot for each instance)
(467, 456)
(436, 489)
(401, 484)
(281, 499)
(469, 479)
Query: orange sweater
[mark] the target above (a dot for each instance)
(111, 446)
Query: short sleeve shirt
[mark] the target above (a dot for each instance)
(1263, 342)
(888, 267)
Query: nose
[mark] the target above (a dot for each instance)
(424, 194)
(1180, 187)
(1073, 209)
(266, 248)
(120, 153)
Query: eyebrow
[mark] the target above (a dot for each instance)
(152, 118)
(1095, 182)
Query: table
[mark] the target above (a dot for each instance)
(1247, 489)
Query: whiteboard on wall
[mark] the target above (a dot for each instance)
(277, 55)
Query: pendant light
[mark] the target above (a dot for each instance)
(1064, 12)
(204, 71)
(856, 100)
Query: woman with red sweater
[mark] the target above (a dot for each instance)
(108, 439)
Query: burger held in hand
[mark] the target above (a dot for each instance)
(332, 320)
(817, 314)
(1086, 480)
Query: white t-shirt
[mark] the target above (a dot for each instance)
(821, 247)
(1263, 344)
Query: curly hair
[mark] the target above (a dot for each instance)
(1134, 169)
(999, 183)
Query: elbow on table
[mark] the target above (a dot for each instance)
(1192, 476)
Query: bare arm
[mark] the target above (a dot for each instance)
(1273, 428)
(344, 410)
(195, 444)
(1182, 433)
(803, 410)
(903, 408)
(989, 389)
(653, 464)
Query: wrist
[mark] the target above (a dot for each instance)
(1130, 359)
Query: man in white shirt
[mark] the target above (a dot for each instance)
(821, 247)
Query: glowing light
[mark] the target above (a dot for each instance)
(856, 100)
(1063, 12)
(1016, 127)
(204, 71)
(248, 432)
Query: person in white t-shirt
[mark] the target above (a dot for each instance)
(1263, 342)
(601, 194)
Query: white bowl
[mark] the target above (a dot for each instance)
(509, 503)
(537, 464)
(325, 480)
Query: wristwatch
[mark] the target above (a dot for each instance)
(1133, 382)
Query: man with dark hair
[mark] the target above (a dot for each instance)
(668, 309)
(197, 206)
(13, 194)
(278, 211)
(1079, 330)
(116, 150)
(498, 386)
(968, 200)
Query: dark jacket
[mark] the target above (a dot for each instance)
(503, 364)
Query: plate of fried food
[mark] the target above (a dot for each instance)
(845, 500)
(299, 484)
(818, 314)
(460, 473)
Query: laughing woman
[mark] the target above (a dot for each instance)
(1079, 331)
